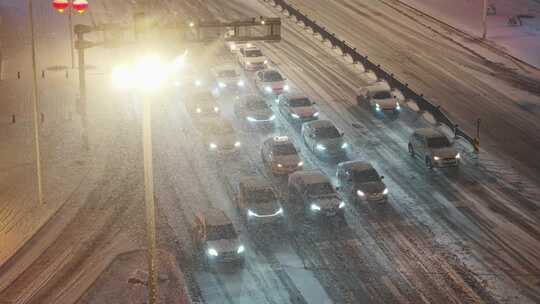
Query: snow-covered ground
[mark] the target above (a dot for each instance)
(522, 42)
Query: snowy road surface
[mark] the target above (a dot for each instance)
(446, 236)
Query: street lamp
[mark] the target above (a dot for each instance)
(147, 75)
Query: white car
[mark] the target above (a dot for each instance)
(434, 148)
(297, 108)
(324, 139)
(253, 111)
(271, 82)
(235, 46)
(219, 137)
(280, 156)
(379, 97)
(228, 77)
(251, 58)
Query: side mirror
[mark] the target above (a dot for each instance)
(382, 176)
(338, 188)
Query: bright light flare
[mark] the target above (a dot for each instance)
(148, 74)
(122, 77)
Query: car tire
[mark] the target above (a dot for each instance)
(411, 150)
(429, 164)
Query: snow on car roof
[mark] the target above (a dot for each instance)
(255, 182)
(320, 123)
(357, 165)
(429, 132)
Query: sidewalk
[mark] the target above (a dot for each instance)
(522, 42)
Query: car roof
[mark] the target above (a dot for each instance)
(280, 140)
(357, 165)
(428, 132)
(296, 95)
(312, 176)
(216, 217)
(251, 48)
(255, 182)
(379, 86)
(321, 123)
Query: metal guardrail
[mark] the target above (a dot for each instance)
(423, 104)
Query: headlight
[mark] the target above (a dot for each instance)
(233, 47)
(266, 61)
(315, 207)
(198, 110)
(286, 87)
(176, 83)
(398, 107)
(436, 158)
(237, 144)
(280, 211)
(344, 145)
(360, 193)
(341, 205)
(241, 249)
(320, 147)
(240, 83)
(458, 156)
(248, 63)
(300, 164)
(293, 115)
(316, 114)
(268, 89)
(222, 85)
(251, 119)
(216, 109)
(213, 146)
(377, 107)
(198, 83)
(272, 117)
(212, 252)
(279, 165)
(251, 213)
(385, 191)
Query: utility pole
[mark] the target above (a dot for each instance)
(484, 20)
(35, 106)
(82, 85)
(70, 27)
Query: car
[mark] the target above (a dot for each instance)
(379, 97)
(311, 192)
(218, 136)
(271, 82)
(235, 46)
(215, 238)
(251, 58)
(253, 110)
(324, 139)
(228, 77)
(434, 148)
(297, 108)
(202, 104)
(361, 181)
(280, 156)
(257, 202)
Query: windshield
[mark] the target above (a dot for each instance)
(261, 196)
(219, 128)
(284, 149)
(256, 104)
(382, 95)
(319, 189)
(227, 73)
(328, 132)
(438, 142)
(272, 76)
(300, 102)
(221, 232)
(253, 53)
(366, 176)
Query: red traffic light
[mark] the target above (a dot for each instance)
(80, 5)
(60, 5)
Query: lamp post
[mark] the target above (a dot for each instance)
(35, 107)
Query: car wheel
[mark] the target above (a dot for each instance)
(429, 164)
(411, 150)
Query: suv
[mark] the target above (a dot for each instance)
(434, 148)
(361, 181)
(215, 237)
(297, 108)
(279, 155)
(252, 58)
(313, 192)
(257, 202)
(324, 139)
